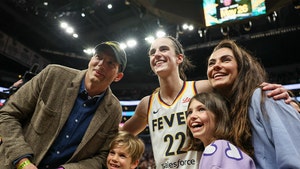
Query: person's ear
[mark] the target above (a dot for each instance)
(180, 58)
(134, 164)
(119, 76)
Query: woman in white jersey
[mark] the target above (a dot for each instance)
(165, 110)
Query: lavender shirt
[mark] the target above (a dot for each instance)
(221, 154)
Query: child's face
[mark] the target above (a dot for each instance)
(200, 121)
(118, 158)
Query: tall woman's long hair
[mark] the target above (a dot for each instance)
(250, 75)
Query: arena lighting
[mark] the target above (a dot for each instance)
(89, 51)
(247, 26)
(69, 29)
(202, 32)
(149, 39)
(131, 43)
(64, 25)
(187, 27)
(75, 35)
(225, 30)
(160, 33)
(296, 4)
(128, 113)
(292, 86)
(272, 17)
(123, 45)
(127, 2)
(130, 103)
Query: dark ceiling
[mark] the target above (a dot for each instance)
(37, 27)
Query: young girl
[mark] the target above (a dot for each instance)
(208, 121)
(125, 151)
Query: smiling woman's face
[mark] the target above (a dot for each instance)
(222, 69)
(163, 56)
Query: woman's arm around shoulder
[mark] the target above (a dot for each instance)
(203, 86)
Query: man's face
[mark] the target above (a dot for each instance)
(103, 68)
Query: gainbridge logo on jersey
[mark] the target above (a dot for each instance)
(179, 163)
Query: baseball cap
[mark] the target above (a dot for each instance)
(118, 51)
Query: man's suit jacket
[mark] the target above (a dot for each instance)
(33, 117)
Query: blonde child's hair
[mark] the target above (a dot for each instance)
(132, 144)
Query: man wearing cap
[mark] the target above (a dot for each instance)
(63, 117)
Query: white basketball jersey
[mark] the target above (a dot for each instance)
(167, 126)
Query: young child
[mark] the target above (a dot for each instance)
(208, 121)
(125, 151)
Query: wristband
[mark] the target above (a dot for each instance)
(23, 164)
(60, 167)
